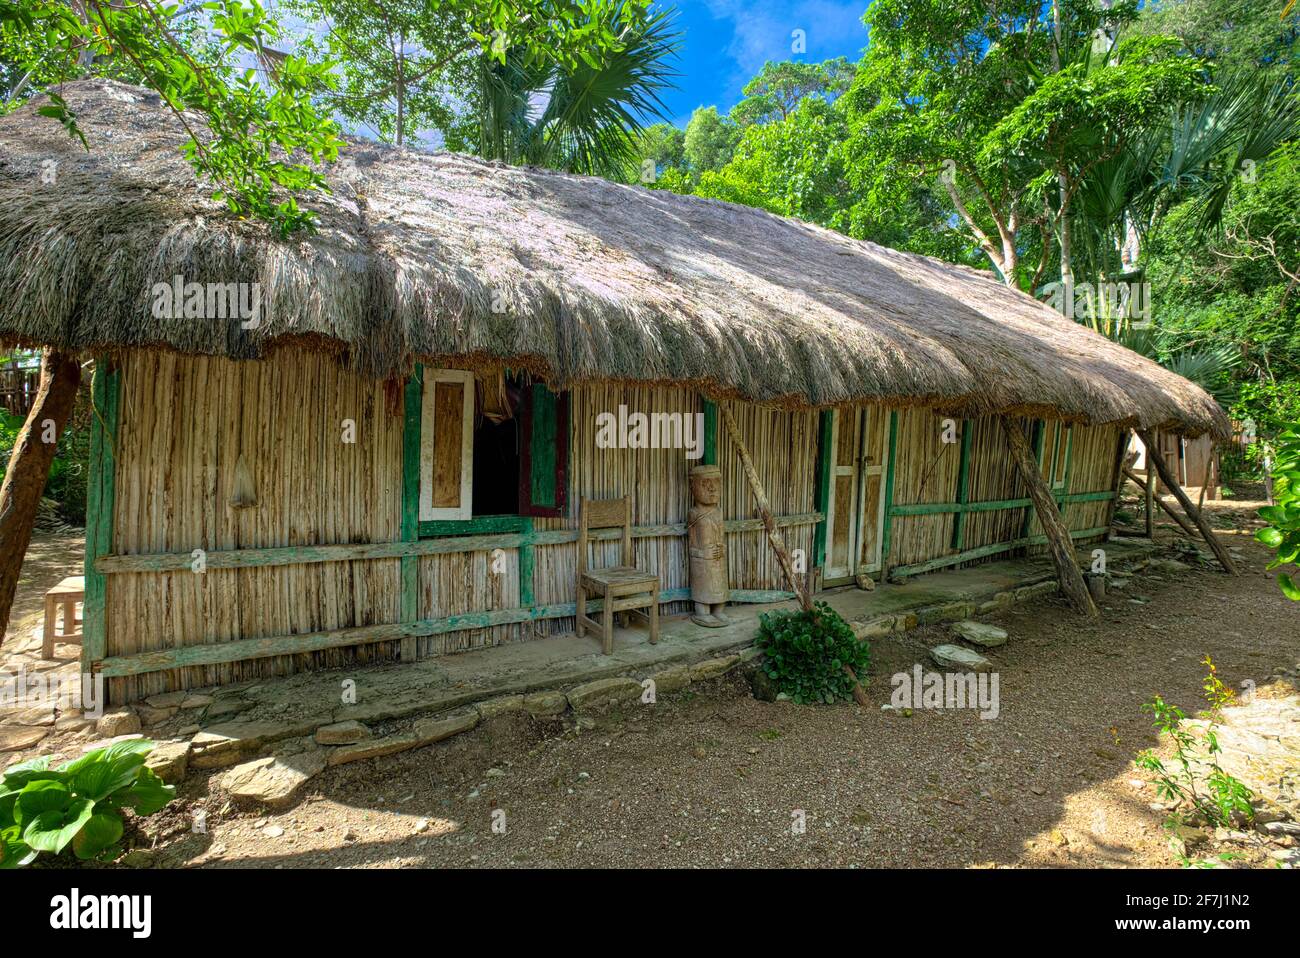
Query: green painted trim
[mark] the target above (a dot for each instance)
(963, 482)
(527, 566)
(307, 555)
(822, 490)
(984, 551)
(996, 505)
(413, 400)
(100, 502)
(479, 525)
(886, 539)
(710, 456)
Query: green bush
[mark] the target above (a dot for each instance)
(45, 809)
(1283, 532)
(805, 654)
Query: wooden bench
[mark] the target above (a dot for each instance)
(68, 594)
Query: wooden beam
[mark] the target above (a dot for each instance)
(1049, 516)
(822, 492)
(963, 482)
(308, 555)
(710, 456)
(1149, 492)
(1146, 488)
(797, 583)
(887, 535)
(413, 401)
(993, 505)
(982, 552)
(1167, 477)
(100, 501)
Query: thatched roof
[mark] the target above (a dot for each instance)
(447, 259)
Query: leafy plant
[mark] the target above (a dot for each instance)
(1283, 532)
(1222, 797)
(78, 804)
(806, 654)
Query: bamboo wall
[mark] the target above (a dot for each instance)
(185, 421)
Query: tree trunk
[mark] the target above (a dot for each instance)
(1168, 478)
(29, 467)
(1058, 536)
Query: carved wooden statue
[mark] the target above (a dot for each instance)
(707, 546)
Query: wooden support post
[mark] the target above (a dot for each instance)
(413, 400)
(797, 583)
(1205, 482)
(1167, 477)
(1118, 472)
(710, 455)
(887, 534)
(1147, 487)
(963, 482)
(1049, 516)
(100, 504)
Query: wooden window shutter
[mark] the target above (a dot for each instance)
(447, 445)
(544, 426)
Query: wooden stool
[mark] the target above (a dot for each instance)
(69, 593)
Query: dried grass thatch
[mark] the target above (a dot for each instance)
(429, 257)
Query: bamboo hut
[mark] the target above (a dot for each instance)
(385, 462)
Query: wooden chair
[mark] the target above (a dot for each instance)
(624, 587)
(67, 595)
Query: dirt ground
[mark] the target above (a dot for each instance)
(715, 778)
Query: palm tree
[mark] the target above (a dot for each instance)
(581, 118)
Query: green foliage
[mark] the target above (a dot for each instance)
(781, 86)
(1222, 798)
(805, 654)
(1282, 534)
(710, 140)
(259, 144)
(78, 804)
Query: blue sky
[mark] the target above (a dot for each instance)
(726, 42)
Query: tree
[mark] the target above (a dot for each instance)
(257, 145)
(1231, 34)
(779, 87)
(658, 148)
(578, 114)
(710, 140)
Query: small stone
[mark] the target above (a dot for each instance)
(672, 680)
(121, 721)
(169, 760)
(422, 825)
(342, 733)
(197, 701)
(138, 858)
(154, 716)
(711, 668)
(15, 737)
(545, 703)
(226, 706)
(604, 692)
(955, 657)
(872, 628)
(981, 633)
(496, 773)
(501, 705)
(274, 780)
(167, 700)
(436, 729)
(273, 831)
(1275, 829)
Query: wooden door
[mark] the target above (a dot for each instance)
(842, 499)
(874, 449)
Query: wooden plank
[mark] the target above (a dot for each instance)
(305, 555)
(963, 482)
(710, 456)
(527, 567)
(1167, 477)
(823, 471)
(413, 401)
(797, 583)
(984, 551)
(936, 508)
(1049, 516)
(887, 536)
(100, 498)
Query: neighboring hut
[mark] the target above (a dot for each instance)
(387, 459)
